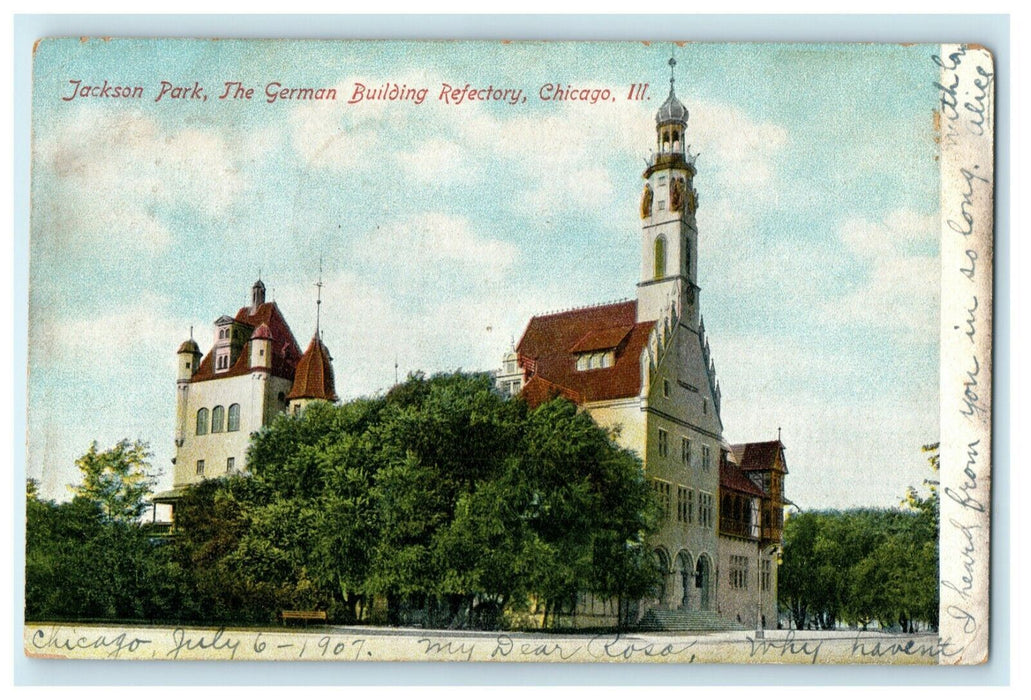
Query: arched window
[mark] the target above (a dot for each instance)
(660, 257)
(202, 421)
(218, 418)
(234, 418)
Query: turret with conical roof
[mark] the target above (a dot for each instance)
(313, 380)
(189, 355)
(261, 348)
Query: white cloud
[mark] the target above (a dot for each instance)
(743, 151)
(899, 279)
(436, 161)
(111, 171)
(332, 135)
(424, 245)
(104, 377)
(137, 337)
(842, 453)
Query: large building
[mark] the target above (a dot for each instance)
(254, 371)
(644, 367)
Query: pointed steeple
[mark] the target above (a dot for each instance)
(257, 295)
(313, 379)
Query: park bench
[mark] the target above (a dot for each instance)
(306, 615)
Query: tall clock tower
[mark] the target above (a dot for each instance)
(669, 236)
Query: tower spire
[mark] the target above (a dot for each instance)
(672, 65)
(318, 300)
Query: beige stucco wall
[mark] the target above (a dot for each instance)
(741, 604)
(681, 415)
(258, 396)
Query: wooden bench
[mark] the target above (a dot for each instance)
(306, 615)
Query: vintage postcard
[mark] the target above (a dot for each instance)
(510, 351)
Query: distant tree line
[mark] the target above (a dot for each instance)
(440, 503)
(863, 566)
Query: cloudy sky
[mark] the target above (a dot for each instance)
(443, 228)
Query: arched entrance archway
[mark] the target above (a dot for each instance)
(685, 580)
(703, 582)
(662, 589)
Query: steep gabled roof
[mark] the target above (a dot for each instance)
(549, 347)
(759, 456)
(314, 376)
(285, 351)
(733, 479)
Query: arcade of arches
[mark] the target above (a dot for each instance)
(686, 583)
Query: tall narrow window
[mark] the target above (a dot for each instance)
(663, 443)
(202, 421)
(660, 257)
(218, 419)
(234, 418)
(200, 467)
(685, 450)
(230, 464)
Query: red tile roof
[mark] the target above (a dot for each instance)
(263, 333)
(539, 390)
(285, 351)
(605, 339)
(548, 349)
(758, 456)
(734, 479)
(314, 377)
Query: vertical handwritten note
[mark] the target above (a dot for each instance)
(966, 90)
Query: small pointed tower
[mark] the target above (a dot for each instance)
(257, 295)
(188, 357)
(313, 380)
(668, 232)
(261, 348)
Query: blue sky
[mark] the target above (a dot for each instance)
(444, 228)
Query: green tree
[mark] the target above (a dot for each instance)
(448, 500)
(864, 565)
(90, 558)
(118, 480)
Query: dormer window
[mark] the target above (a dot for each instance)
(595, 360)
(222, 360)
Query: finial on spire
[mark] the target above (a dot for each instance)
(672, 64)
(318, 300)
(191, 332)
